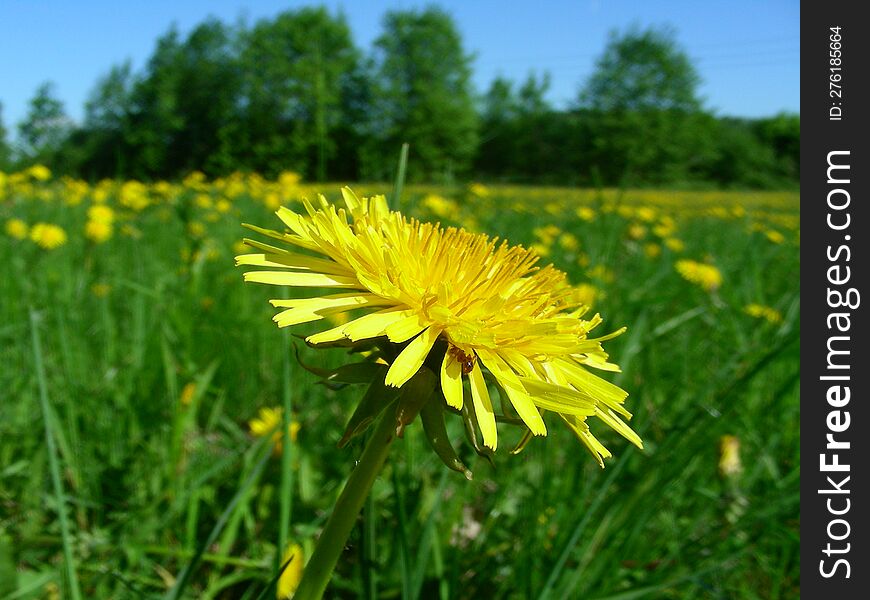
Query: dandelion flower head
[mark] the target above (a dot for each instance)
(702, 274)
(48, 236)
(433, 290)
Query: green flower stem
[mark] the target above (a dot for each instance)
(332, 541)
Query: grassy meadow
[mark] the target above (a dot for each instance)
(135, 366)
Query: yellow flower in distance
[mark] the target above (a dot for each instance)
(101, 213)
(704, 275)
(98, 231)
(48, 236)
(479, 302)
(269, 420)
(292, 575)
(760, 311)
(729, 456)
(16, 228)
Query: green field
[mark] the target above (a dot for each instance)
(133, 359)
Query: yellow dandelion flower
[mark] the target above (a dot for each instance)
(469, 300)
(98, 231)
(568, 241)
(39, 172)
(16, 228)
(292, 575)
(636, 231)
(440, 206)
(774, 236)
(586, 294)
(239, 247)
(269, 420)
(646, 214)
(540, 249)
(272, 200)
(187, 392)
(760, 311)
(675, 244)
(729, 456)
(665, 227)
(586, 214)
(134, 195)
(203, 201)
(101, 290)
(196, 229)
(101, 213)
(48, 236)
(289, 179)
(702, 274)
(652, 250)
(601, 273)
(479, 190)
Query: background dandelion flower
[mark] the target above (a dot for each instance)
(48, 236)
(485, 303)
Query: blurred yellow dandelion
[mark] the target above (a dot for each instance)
(440, 206)
(636, 231)
(484, 303)
(196, 229)
(39, 172)
(292, 575)
(760, 311)
(98, 231)
(479, 190)
(48, 236)
(586, 213)
(702, 274)
(16, 228)
(729, 456)
(774, 236)
(652, 250)
(268, 420)
(187, 393)
(101, 290)
(101, 213)
(674, 244)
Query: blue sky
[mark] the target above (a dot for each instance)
(747, 52)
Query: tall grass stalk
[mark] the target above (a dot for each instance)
(54, 466)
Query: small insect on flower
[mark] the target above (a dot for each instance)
(466, 361)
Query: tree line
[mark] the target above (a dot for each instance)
(293, 92)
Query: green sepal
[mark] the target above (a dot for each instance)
(359, 372)
(415, 394)
(527, 437)
(432, 417)
(378, 396)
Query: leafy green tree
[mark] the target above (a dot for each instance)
(5, 149)
(643, 70)
(424, 95)
(183, 104)
(644, 103)
(45, 127)
(782, 134)
(155, 119)
(297, 68)
(109, 103)
(99, 148)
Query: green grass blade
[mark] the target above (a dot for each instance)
(54, 466)
(263, 447)
(396, 200)
(603, 489)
